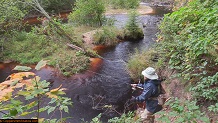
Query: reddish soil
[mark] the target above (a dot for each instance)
(39, 19)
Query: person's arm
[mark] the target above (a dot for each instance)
(139, 86)
(147, 92)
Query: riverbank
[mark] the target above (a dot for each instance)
(44, 40)
(142, 10)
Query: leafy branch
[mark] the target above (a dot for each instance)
(22, 93)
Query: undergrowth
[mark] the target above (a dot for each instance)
(45, 43)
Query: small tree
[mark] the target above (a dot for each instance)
(57, 5)
(11, 14)
(88, 12)
(182, 112)
(132, 31)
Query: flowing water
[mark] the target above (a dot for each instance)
(106, 83)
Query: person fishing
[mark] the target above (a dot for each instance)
(149, 94)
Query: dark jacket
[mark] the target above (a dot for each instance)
(150, 90)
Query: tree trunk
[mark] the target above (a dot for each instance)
(60, 31)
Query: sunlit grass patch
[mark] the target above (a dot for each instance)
(107, 35)
(140, 61)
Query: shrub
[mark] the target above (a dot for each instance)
(182, 112)
(207, 88)
(55, 6)
(88, 12)
(24, 46)
(190, 37)
(23, 93)
(125, 118)
(132, 31)
(71, 62)
(140, 61)
(213, 108)
(107, 36)
(188, 40)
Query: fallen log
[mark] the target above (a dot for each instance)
(76, 47)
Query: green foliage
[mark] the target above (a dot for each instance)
(96, 119)
(22, 68)
(190, 36)
(24, 49)
(70, 62)
(213, 108)
(125, 4)
(182, 112)
(207, 88)
(10, 10)
(11, 13)
(132, 31)
(106, 36)
(125, 118)
(55, 6)
(188, 40)
(88, 12)
(40, 64)
(26, 100)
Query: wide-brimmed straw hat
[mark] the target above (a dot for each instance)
(150, 73)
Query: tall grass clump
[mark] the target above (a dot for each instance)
(27, 48)
(140, 61)
(107, 35)
(70, 62)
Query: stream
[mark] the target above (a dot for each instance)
(107, 83)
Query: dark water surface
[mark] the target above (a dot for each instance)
(107, 85)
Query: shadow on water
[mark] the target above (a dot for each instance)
(106, 82)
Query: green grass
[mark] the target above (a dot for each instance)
(30, 48)
(45, 43)
(107, 35)
(138, 62)
(70, 62)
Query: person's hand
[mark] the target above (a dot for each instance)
(133, 86)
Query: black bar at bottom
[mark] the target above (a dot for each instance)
(18, 120)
